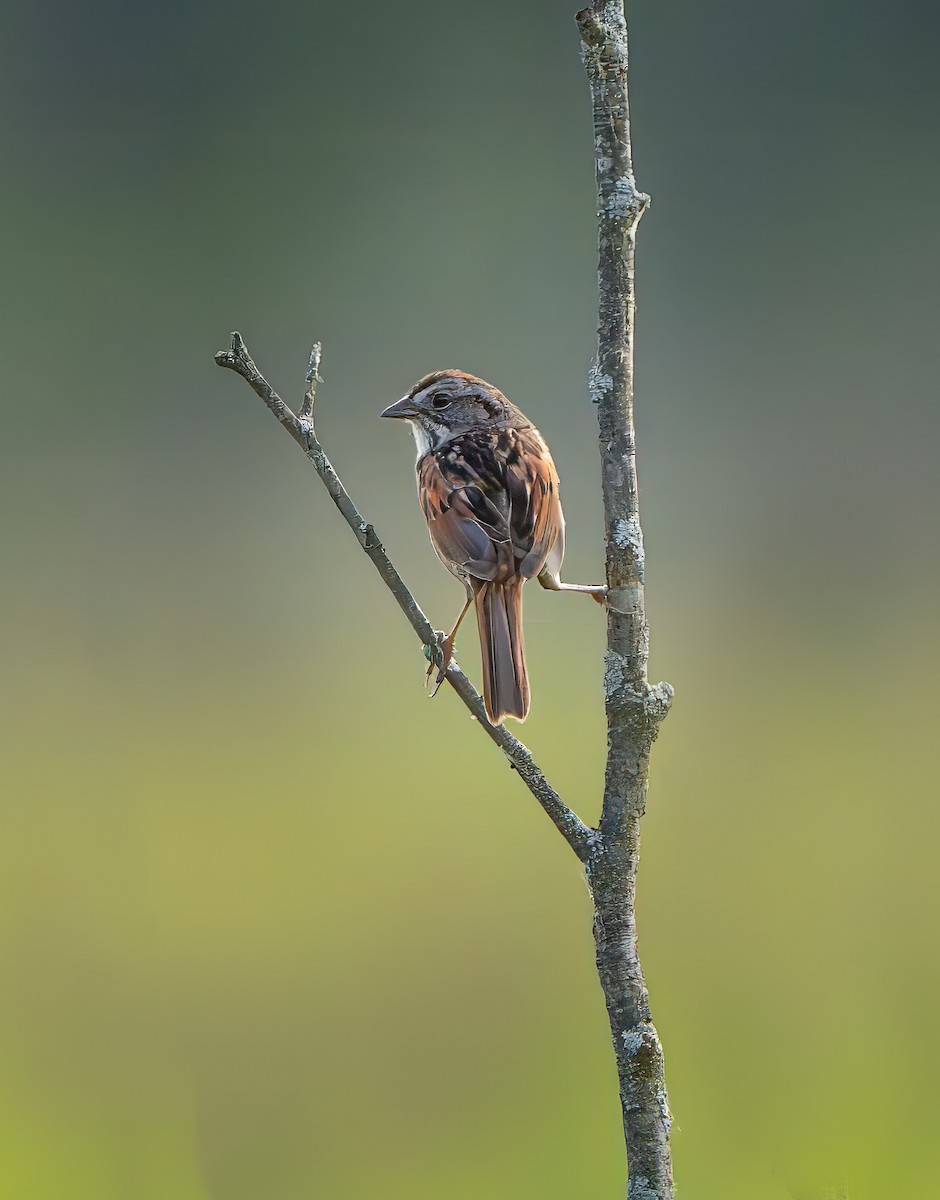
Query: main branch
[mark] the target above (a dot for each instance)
(301, 428)
(634, 707)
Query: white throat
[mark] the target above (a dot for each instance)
(422, 439)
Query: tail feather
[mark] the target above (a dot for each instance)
(499, 618)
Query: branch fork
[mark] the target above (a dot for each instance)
(302, 429)
(635, 707)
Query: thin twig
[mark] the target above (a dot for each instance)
(313, 378)
(301, 428)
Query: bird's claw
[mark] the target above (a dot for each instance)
(440, 656)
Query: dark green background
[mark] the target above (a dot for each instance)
(272, 924)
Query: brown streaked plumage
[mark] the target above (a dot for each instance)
(489, 492)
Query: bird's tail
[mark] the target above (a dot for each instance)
(499, 618)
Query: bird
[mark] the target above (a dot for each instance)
(488, 488)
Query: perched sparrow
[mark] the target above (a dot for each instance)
(489, 491)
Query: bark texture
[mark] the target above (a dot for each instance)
(635, 708)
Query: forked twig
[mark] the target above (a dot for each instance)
(301, 428)
(635, 707)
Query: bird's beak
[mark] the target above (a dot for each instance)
(401, 409)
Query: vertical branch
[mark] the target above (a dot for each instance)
(634, 707)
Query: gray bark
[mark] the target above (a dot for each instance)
(634, 707)
(610, 853)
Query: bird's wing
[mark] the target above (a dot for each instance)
(491, 502)
(468, 530)
(536, 520)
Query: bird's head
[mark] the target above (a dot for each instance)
(447, 403)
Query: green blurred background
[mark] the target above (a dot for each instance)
(258, 937)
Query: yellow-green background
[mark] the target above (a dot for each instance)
(275, 926)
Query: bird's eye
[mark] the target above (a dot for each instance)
(440, 400)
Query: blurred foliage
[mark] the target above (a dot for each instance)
(258, 937)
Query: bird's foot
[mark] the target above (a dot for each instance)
(441, 655)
